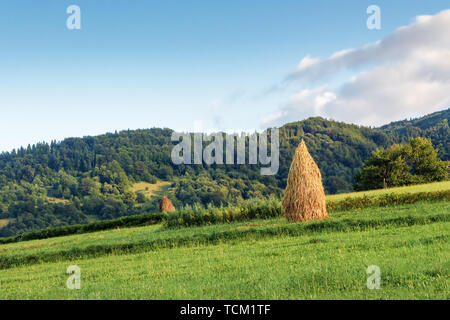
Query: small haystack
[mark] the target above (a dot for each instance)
(304, 197)
(166, 205)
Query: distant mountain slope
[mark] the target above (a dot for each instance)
(95, 175)
(434, 126)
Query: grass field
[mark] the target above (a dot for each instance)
(429, 187)
(152, 189)
(258, 259)
(4, 222)
(57, 200)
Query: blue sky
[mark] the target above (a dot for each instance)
(181, 64)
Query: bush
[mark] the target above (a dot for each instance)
(247, 210)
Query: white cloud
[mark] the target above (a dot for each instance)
(273, 117)
(425, 32)
(306, 63)
(409, 76)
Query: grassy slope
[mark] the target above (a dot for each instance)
(4, 222)
(257, 259)
(152, 189)
(429, 187)
(122, 241)
(413, 260)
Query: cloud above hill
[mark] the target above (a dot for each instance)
(406, 74)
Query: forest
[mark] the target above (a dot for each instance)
(80, 180)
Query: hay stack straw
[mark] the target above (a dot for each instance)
(166, 205)
(304, 197)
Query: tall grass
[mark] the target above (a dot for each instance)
(247, 210)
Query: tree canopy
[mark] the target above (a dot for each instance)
(400, 165)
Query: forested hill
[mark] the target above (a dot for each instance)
(434, 126)
(83, 179)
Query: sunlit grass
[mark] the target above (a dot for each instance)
(257, 259)
(414, 264)
(429, 187)
(4, 222)
(151, 189)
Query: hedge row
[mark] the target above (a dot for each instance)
(247, 210)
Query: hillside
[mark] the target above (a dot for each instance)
(262, 258)
(434, 126)
(79, 180)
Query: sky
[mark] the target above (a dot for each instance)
(235, 65)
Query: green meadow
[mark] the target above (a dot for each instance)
(428, 187)
(255, 259)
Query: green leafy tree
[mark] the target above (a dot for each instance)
(424, 162)
(399, 165)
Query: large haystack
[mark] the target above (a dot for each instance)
(304, 198)
(166, 205)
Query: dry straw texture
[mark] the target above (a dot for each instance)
(304, 197)
(166, 205)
